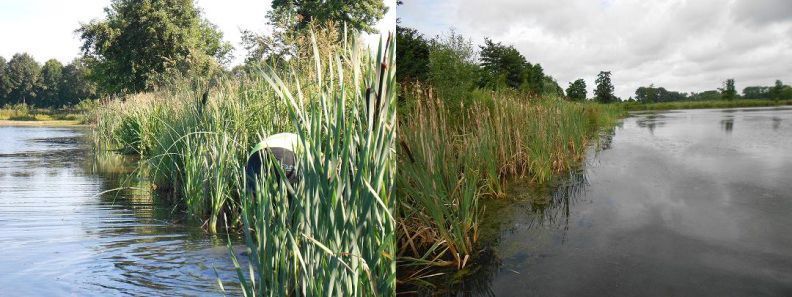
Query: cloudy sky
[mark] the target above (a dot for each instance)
(683, 45)
(45, 28)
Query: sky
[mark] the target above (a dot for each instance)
(682, 45)
(45, 28)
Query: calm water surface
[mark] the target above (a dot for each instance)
(679, 203)
(60, 235)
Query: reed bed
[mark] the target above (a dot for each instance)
(332, 232)
(329, 234)
(449, 159)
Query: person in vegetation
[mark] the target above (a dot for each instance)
(282, 148)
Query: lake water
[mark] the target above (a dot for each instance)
(61, 235)
(678, 203)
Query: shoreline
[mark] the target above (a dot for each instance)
(45, 123)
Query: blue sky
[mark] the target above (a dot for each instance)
(683, 45)
(45, 28)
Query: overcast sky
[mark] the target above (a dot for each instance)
(681, 45)
(45, 28)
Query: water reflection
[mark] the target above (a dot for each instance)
(686, 210)
(86, 224)
(727, 125)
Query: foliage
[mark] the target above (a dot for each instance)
(728, 92)
(76, 85)
(452, 67)
(501, 66)
(657, 94)
(5, 81)
(604, 90)
(450, 159)
(139, 43)
(360, 15)
(412, 53)
(577, 90)
(331, 233)
(49, 84)
(23, 74)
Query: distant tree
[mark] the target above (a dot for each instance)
(501, 65)
(757, 92)
(728, 91)
(48, 91)
(361, 15)
(23, 74)
(140, 42)
(452, 67)
(75, 84)
(534, 78)
(604, 91)
(577, 90)
(777, 90)
(550, 87)
(5, 82)
(412, 53)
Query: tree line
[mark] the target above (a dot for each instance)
(144, 45)
(652, 94)
(24, 81)
(454, 66)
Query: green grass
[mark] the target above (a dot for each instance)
(706, 104)
(329, 234)
(332, 232)
(450, 159)
(79, 113)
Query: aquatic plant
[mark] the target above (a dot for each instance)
(331, 233)
(449, 159)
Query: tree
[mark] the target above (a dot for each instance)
(728, 91)
(757, 92)
(452, 67)
(140, 42)
(604, 91)
(577, 90)
(75, 84)
(777, 90)
(5, 83)
(360, 15)
(412, 53)
(23, 74)
(501, 65)
(48, 90)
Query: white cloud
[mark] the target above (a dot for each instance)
(684, 45)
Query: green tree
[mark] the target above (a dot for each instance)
(23, 74)
(75, 84)
(534, 78)
(412, 52)
(728, 92)
(604, 91)
(577, 90)
(360, 15)
(452, 67)
(141, 42)
(48, 91)
(501, 65)
(5, 82)
(777, 90)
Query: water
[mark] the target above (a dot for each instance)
(60, 235)
(680, 203)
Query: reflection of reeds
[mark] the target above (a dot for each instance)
(450, 159)
(331, 233)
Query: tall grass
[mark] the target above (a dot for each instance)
(449, 159)
(332, 232)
